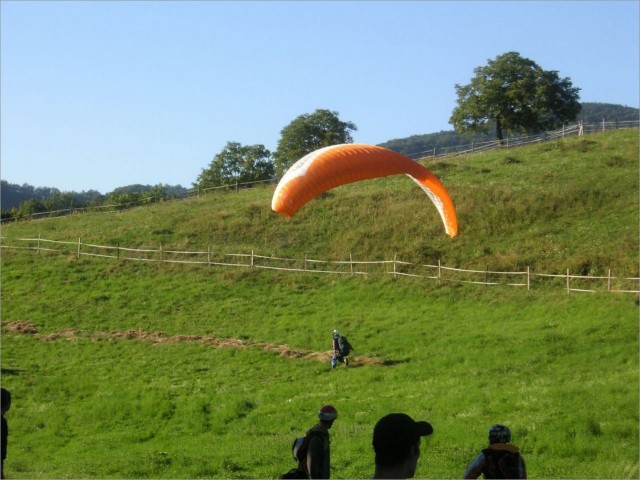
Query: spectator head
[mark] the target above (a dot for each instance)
(396, 442)
(327, 414)
(499, 434)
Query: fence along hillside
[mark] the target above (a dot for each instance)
(578, 129)
(395, 267)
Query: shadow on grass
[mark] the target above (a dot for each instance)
(381, 363)
(391, 363)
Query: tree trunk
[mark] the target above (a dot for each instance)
(499, 130)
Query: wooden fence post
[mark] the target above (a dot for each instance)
(609, 281)
(486, 275)
(351, 263)
(78, 254)
(439, 271)
(568, 282)
(251, 249)
(38, 249)
(395, 256)
(528, 279)
(161, 256)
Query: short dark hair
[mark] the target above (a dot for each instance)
(499, 434)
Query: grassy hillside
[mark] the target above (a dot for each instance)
(141, 370)
(562, 204)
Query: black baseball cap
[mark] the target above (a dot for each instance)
(395, 434)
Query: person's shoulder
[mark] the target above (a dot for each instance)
(502, 447)
(315, 435)
(315, 432)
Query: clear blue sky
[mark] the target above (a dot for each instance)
(98, 94)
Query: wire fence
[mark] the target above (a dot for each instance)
(578, 129)
(528, 279)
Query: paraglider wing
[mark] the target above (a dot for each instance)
(330, 167)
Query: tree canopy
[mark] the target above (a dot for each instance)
(237, 163)
(515, 94)
(307, 133)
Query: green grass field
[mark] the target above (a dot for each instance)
(123, 369)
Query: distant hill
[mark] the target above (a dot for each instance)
(596, 112)
(177, 191)
(419, 144)
(13, 195)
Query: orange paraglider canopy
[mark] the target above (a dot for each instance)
(330, 167)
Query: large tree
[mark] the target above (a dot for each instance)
(237, 163)
(309, 132)
(515, 94)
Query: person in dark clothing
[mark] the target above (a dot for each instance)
(312, 451)
(337, 356)
(500, 460)
(341, 349)
(319, 454)
(5, 403)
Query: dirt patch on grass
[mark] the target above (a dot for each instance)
(20, 327)
(26, 328)
(67, 333)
